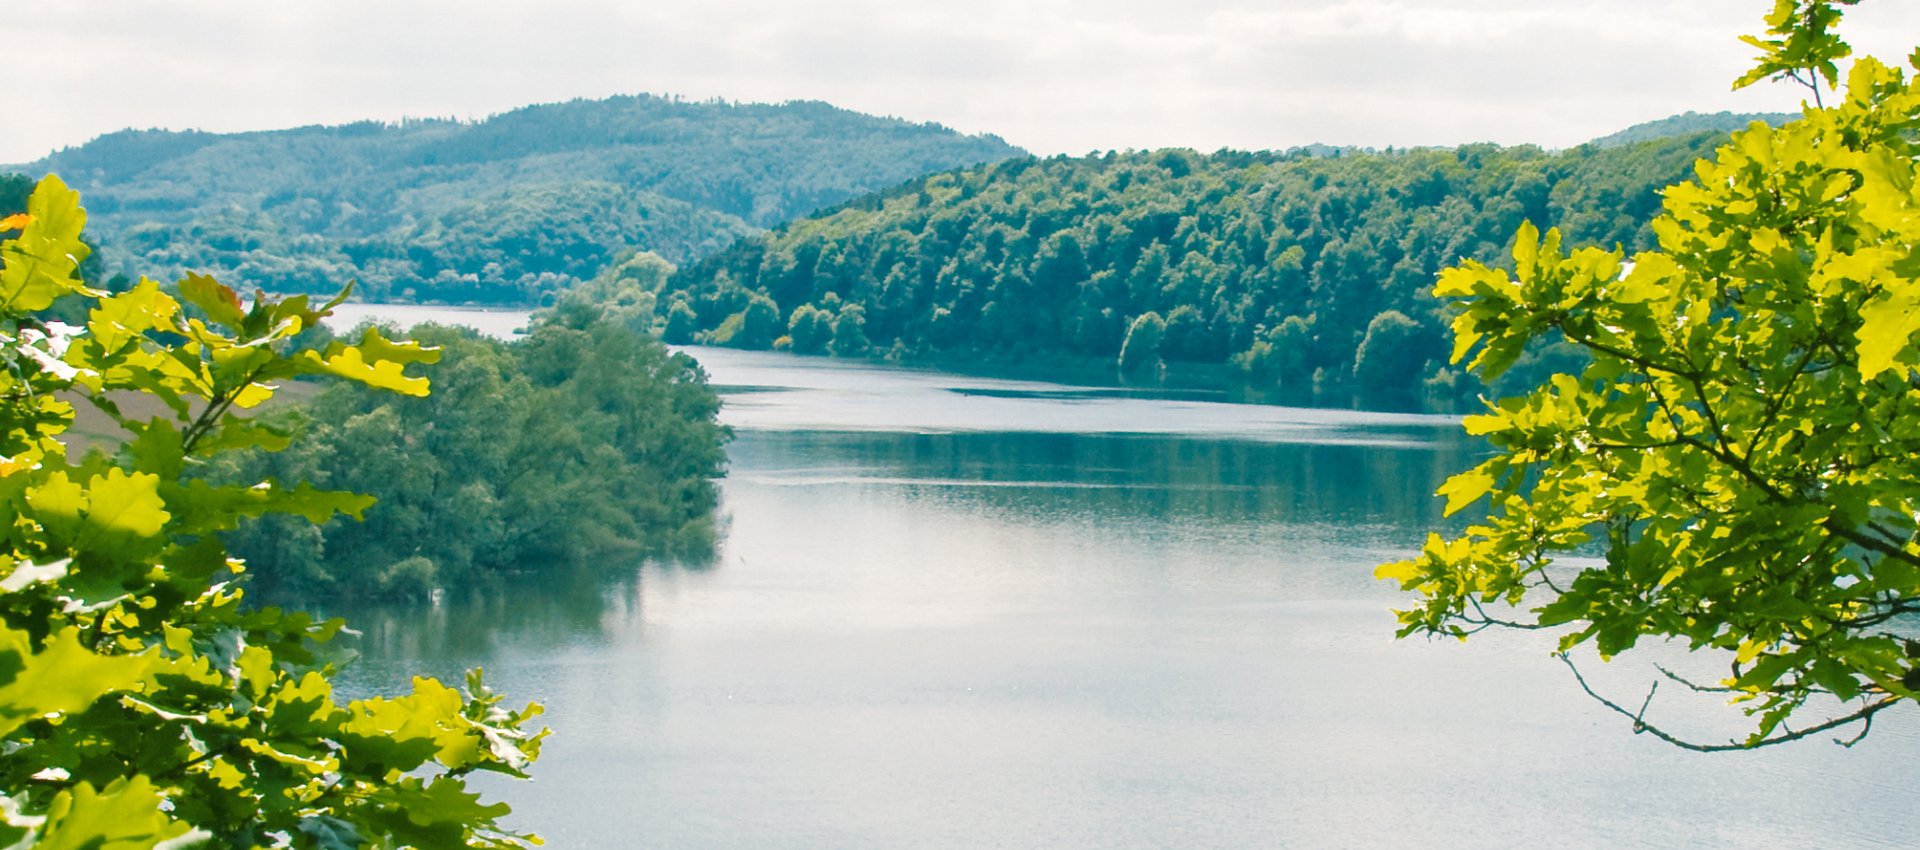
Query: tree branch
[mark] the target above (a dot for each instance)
(1864, 715)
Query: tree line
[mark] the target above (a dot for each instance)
(1306, 274)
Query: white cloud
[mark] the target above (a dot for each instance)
(1055, 76)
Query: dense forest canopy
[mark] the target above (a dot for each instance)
(1303, 274)
(501, 211)
(1309, 272)
(584, 441)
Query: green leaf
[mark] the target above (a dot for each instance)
(447, 801)
(117, 318)
(1466, 488)
(1647, 281)
(58, 504)
(125, 651)
(1887, 324)
(331, 833)
(61, 678)
(1741, 435)
(156, 448)
(377, 347)
(129, 814)
(38, 266)
(236, 434)
(347, 362)
(123, 503)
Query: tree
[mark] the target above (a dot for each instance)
(141, 704)
(644, 269)
(850, 332)
(1745, 443)
(756, 326)
(1393, 348)
(509, 210)
(810, 329)
(1187, 336)
(14, 189)
(682, 323)
(626, 293)
(1140, 351)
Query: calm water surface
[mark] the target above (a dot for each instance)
(961, 613)
(498, 323)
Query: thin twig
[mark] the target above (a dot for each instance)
(1695, 686)
(1866, 725)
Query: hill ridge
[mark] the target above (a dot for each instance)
(307, 208)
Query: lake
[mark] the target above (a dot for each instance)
(953, 612)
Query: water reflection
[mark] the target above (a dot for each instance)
(570, 607)
(1122, 478)
(576, 607)
(769, 391)
(1124, 490)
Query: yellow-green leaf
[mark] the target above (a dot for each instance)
(126, 503)
(1463, 489)
(1887, 323)
(129, 814)
(386, 374)
(62, 677)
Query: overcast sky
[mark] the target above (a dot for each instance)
(1054, 76)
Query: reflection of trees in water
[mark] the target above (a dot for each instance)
(1110, 479)
(556, 609)
(1116, 477)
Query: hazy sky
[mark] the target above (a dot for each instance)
(1055, 76)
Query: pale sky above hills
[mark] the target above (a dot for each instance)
(1054, 76)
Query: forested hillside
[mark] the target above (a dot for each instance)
(1308, 273)
(1689, 123)
(501, 211)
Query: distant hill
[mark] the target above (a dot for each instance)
(504, 210)
(1689, 123)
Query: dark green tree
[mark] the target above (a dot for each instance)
(850, 332)
(682, 323)
(809, 329)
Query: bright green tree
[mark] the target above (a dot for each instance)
(1140, 351)
(141, 704)
(1744, 448)
(1392, 349)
